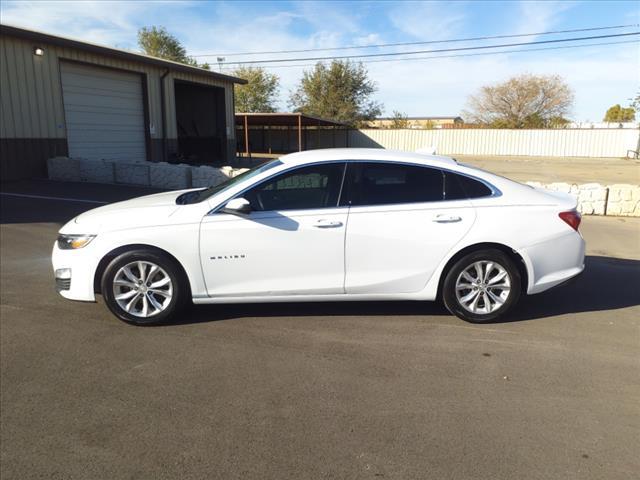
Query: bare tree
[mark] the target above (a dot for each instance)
(399, 120)
(635, 102)
(526, 101)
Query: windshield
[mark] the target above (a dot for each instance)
(200, 195)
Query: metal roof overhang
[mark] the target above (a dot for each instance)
(284, 120)
(112, 52)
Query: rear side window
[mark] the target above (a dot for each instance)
(460, 187)
(378, 183)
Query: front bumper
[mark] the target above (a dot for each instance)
(74, 272)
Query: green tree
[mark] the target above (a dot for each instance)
(260, 94)
(526, 101)
(618, 114)
(340, 91)
(399, 120)
(158, 42)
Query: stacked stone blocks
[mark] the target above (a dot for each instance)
(593, 198)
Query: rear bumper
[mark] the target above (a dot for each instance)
(554, 261)
(570, 281)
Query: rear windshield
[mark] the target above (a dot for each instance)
(468, 165)
(201, 195)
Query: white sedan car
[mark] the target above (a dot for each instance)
(326, 225)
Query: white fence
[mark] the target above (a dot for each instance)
(545, 143)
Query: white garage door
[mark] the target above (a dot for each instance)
(104, 113)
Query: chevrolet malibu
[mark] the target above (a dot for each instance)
(326, 225)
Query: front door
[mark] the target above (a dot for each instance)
(400, 227)
(291, 243)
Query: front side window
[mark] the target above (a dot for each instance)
(201, 195)
(311, 187)
(379, 183)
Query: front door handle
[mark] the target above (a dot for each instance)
(327, 224)
(446, 218)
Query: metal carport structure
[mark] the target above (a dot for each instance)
(272, 132)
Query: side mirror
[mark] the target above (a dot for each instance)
(237, 206)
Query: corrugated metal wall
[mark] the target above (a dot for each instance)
(31, 93)
(31, 102)
(33, 109)
(547, 143)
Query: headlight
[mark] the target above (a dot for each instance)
(73, 242)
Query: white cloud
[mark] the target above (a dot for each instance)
(107, 23)
(325, 15)
(601, 76)
(369, 39)
(535, 16)
(441, 87)
(428, 20)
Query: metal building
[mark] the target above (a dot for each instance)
(65, 97)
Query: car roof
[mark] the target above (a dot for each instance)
(333, 154)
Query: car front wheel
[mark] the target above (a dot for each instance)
(143, 287)
(483, 286)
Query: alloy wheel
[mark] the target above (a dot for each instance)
(483, 287)
(142, 288)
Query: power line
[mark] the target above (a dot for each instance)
(426, 42)
(465, 54)
(441, 50)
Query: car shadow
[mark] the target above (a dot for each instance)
(207, 313)
(47, 201)
(606, 284)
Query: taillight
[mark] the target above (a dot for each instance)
(571, 218)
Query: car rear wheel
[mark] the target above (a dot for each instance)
(482, 286)
(144, 287)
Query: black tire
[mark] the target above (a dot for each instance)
(178, 284)
(457, 308)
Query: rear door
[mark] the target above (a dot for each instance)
(400, 226)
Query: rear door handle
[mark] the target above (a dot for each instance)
(446, 218)
(327, 224)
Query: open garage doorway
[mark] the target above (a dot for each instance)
(200, 118)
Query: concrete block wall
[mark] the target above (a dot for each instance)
(97, 171)
(167, 175)
(204, 176)
(132, 173)
(232, 172)
(595, 199)
(624, 200)
(149, 174)
(64, 169)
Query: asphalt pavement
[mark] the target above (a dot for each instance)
(314, 391)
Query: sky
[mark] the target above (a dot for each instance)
(599, 75)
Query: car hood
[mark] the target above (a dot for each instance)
(138, 212)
